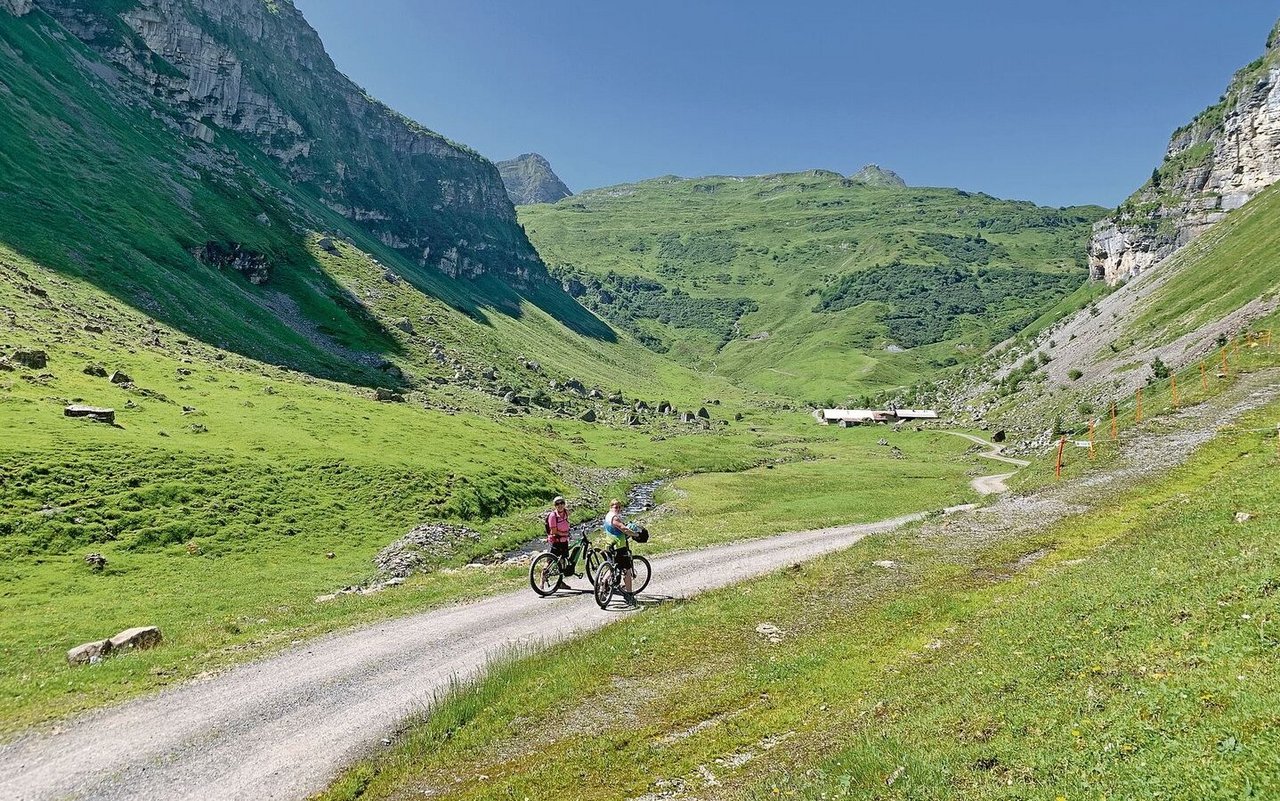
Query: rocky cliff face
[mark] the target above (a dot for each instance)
(530, 179)
(255, 69)
(16, 7)
(1229, 153)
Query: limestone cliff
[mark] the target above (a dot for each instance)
(1226, 155)
(530, 179)
(255, 69)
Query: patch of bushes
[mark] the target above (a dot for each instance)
(629, 300)
(927, 302)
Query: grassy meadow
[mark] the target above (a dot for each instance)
(811, 285)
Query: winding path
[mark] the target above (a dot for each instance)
(994, 484)
(283, 727)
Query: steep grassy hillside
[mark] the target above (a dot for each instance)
(219, 242)
(1167, 325)
(811, 285)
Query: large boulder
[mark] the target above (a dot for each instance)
(703, 413)
(139, 638)
(92, 412)
(121, 377)
(388, 396)
(89, 653)
(95, 370)
(589, 416)
(33, 359)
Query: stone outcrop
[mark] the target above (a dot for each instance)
(139, 638)
(31, 359)
(875, 175)
(258, 71)
(232, 256)
(91, 412)
(1228, 154)
(17, 7)
(89, 653)
(529, 179)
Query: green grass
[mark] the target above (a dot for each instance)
(755, 278)
(1134, 656)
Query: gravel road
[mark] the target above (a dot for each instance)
(991, 485)
(283, 727)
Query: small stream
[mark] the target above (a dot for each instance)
(639, 501)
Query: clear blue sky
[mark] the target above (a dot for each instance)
(1061, 103)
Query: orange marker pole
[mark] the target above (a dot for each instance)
(1062, 445)
(1204, 381)
(1137, 415)
(1114, 434)
(1173, 382)
(1091, 425)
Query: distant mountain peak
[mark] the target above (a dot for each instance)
(530, 179)
(875, 175)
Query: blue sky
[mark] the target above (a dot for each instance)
(1060, 103)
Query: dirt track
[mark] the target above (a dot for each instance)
(283, 727)
(991, 485)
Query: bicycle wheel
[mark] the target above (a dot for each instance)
(592, 563)
(544, 574)
(604, 585)
(643, 572)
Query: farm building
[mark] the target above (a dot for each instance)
(915, 414)
(858, 417)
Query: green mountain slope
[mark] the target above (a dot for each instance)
(240, 249)
(811, 284)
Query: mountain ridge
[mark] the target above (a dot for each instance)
(260, 70)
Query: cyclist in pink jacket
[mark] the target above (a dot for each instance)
(558, 529)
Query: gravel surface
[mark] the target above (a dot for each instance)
(282, 728)
(991, 485)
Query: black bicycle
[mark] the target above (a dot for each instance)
(611, 577)
(548, 572)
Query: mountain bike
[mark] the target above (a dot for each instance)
(547, 572)
(611, 576)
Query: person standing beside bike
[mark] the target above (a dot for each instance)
(558, 529)
(618, 530)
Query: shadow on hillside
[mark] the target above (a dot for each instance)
(493, 294)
